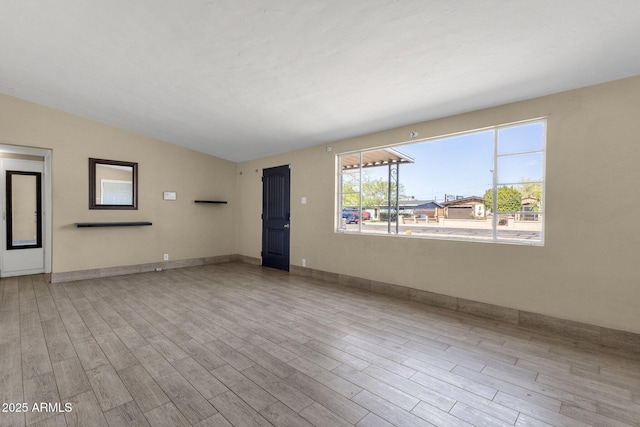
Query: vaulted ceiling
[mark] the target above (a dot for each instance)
(244, 79)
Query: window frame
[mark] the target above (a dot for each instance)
(496, 184)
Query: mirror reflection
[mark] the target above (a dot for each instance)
(113, 184)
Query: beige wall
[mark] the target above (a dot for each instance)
(587, 270)
(180, 228)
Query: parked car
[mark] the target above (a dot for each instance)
(351, 217)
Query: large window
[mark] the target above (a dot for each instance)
(485, 185)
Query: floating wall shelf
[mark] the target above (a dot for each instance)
(111, 224)
(220, 202)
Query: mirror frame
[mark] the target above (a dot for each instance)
(92, 184)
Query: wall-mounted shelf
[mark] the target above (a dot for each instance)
(219, 202)
(112, 224)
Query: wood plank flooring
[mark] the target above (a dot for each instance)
(235, 344)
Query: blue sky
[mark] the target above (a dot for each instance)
(463, 165)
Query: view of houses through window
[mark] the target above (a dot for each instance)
(484, 185)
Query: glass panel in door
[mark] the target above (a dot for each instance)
(24, 225)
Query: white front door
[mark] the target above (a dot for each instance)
(22, 183)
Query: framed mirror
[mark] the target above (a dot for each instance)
(113, 184)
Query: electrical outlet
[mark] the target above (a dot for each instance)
(304, 262)
(166, 257)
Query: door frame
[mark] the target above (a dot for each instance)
(46, 154)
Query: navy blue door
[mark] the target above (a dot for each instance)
(275, 217)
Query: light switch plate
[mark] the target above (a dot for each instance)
(169, 195)
(303, 200)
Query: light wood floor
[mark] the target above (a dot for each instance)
(233, 344)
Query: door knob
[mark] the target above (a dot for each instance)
(287, 226)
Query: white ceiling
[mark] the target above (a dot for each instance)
(243, 79)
